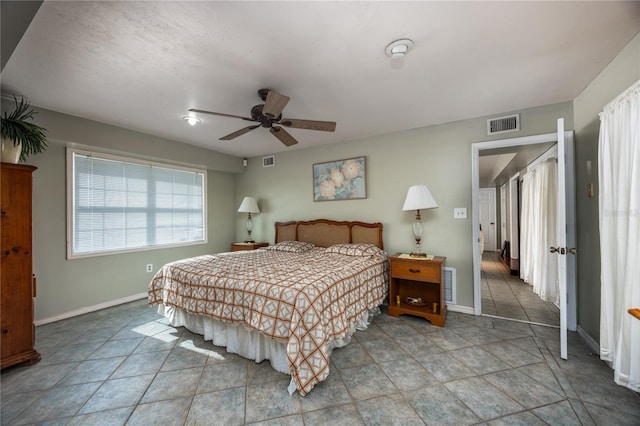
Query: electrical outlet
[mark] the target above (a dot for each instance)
(460, 213)
(149, 267)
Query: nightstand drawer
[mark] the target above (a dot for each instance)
(417, 271)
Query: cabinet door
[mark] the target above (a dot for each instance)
(16, 272)
(17, 308)
(16, 210)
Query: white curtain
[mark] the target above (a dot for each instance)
(527, 228)
(619, 179)
(538, 266)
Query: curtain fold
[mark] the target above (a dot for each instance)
(539, 267)
(527, 225)
(619, 209)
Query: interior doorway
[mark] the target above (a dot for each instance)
(493, 282)
(504, 292)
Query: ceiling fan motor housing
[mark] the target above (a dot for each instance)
(257, 115)
(262, 93)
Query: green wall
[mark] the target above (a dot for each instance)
(438, 156)
(620, 74)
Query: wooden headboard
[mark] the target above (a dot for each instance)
(325, 232)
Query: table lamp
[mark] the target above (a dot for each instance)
(249, 205)
(418, 198)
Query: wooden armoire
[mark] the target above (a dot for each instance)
(17, 287)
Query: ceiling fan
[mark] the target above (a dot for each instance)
(269, 115)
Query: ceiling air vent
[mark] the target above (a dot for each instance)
(508, 123)
(269, 161)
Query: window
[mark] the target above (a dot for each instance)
(117, 204)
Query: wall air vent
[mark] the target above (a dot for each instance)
(449, 279)
(509, 123)
(269, 161)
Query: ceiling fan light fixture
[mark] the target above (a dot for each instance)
(399, 48)
(191, 119)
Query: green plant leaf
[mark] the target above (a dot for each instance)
(17, 129)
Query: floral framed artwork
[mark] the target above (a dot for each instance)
(340, 180)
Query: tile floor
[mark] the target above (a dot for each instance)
(125, 365)
(505, 295)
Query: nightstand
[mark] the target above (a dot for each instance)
(417, 284)
(247, 246)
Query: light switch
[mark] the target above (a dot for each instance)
(460, 213)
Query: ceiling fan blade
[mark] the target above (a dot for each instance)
(238, 133)
(283, 135)
(274, 104)
(325, 126)
(201, 111)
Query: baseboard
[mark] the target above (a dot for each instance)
(460, 309)
(589, 341)
(93, 308)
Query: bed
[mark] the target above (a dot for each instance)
(291, 303)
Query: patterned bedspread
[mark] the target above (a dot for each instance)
(306, 299)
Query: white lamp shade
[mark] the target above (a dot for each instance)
(249, 205)
(419, 198)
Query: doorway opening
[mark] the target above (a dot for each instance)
(498, 289)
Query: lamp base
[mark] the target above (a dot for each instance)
(249, 241)
(417, 248)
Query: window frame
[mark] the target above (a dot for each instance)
(70, 206)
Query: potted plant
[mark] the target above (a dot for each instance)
(20, 137)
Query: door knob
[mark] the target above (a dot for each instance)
(554, 249)
(572, 250)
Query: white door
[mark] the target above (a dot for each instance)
(503, 213)
(565, 235)
(487, 212)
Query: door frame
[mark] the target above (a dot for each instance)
(476, 147)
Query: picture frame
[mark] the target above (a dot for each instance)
(340, 180)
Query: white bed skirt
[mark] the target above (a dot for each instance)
(248, 343)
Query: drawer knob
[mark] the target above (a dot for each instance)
(5, 331)
(414, 271)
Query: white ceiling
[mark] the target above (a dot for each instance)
(497, 166)
(142, 65)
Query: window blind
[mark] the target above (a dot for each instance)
(120, 205)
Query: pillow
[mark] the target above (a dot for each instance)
(360, 249)
(292, 246)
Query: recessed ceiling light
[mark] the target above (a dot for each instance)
(399, 48)
(191, 119)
